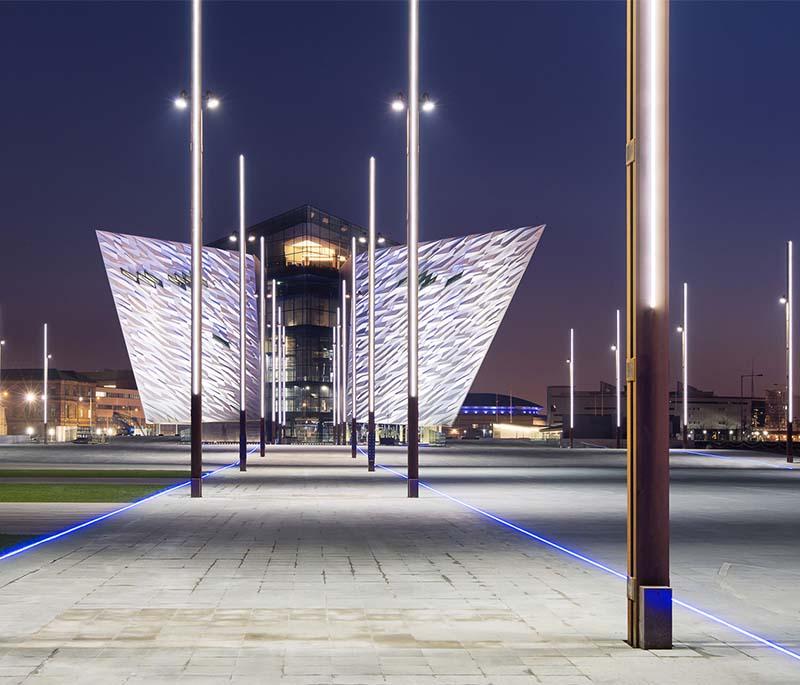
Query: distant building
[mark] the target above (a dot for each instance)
(118, 407)
(711, 416)
(487, 415)
(69, 408)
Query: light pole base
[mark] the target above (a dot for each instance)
(353, 436)
(371, 441)
(197, 487)
(655, 618)
(413, 487)
(242, 441)
(262, 439)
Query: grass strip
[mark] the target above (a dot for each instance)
(78, 492)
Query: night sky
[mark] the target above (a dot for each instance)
(530, 129)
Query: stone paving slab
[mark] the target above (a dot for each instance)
(308, 570)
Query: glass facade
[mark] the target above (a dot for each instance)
(306, 252)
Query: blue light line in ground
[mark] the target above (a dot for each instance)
(576, 555)
(785, 467)
(97, 519)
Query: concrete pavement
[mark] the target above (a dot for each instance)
(307, 569)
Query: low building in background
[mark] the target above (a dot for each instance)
(492, 415)
(70, 404)
(118, 407)
(711, 416)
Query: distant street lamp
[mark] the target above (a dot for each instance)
(2, 344)
(786, 300)
(335, 377)
(371, 322)
(412, 107)
(571, 363)
(242, 325)
(343, 366)
(45, 374)
(615, 348)
(182, 102)
(262, 333)
(274, 360)
(684, 333)
(353, 422)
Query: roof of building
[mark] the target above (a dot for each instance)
(35, 375)
(492, 399)
(303, 214)
(121, 378)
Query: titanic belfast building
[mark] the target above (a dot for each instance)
(466, 284)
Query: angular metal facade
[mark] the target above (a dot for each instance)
(466, 285)
(150, 282)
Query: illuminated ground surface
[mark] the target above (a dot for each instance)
(307, 569)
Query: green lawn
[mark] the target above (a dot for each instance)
(91, 473)
(77, 492)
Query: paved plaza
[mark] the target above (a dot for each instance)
(308, 569)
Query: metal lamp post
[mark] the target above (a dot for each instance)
(615, 348)
(649, 595)
(412, 109)
(196, 100)
(45, 378)
(343, 367)
(683, 329)
(335, 377)
(242, 326)
(2, 344)
(262, 332)
(274, 361)
(571, 363)
(786, 300)
(353, 422)
(279, 372)
(371, 322)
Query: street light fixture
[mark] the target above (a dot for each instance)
(571, 364)
(615, 348)
(195, 101)
(683, 330)
(371, 323)
(45, 374)
(262, 332)
(412, 107)
(242, 325)
(786, 300)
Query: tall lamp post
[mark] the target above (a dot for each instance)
(45, 378)
(196, 100)
(412, 202)
(371, 322)
(649, 595)
(343, 367)
(683, 330)
(353, 423)
(262, 333)
(571, 364)
(242, 326)
(335, 377)
(615, 348)
(279, 402)
(2, 344)
(786, 301)
(273, 364)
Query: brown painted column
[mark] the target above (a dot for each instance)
(647, 159)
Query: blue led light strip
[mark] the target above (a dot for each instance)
(85, 524)
(576, 555)
(784, 467)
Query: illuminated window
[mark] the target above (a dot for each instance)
(305, 251)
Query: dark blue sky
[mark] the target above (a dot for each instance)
(530, 129)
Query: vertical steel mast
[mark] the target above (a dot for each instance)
(647, 162)
(242, 325)
(371, 322)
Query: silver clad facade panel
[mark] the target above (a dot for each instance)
(466, 285)
(151, 286)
